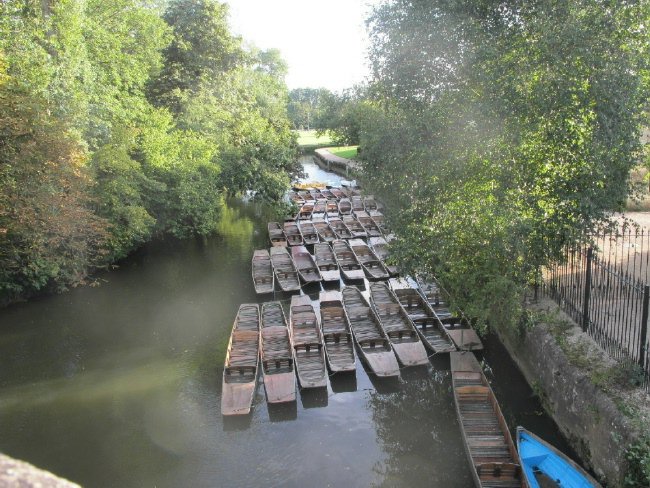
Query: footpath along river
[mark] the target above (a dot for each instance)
(118, 385)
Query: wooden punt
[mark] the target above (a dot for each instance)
(340, 229)
(458, 328)
(357, 203)
(307, 343)
(487, 440)
(306, 196)
(337, 336)
(350, 190)
(276, 235)
(401, 332)
(325, 232)
(368, 224)
(332, 209)
(326, 262)
(356, 229)
(305, 265)
(262, 271)
(293, 234)
(431, 331)
(308, 231)
(379, 245)
(277, 355)
(316, 193)
(348, 263)
(305, 211)
(369, 203)
(327, 193)
(379, 219)
(543, 465)
(369, 261)
(374, 346)
(240, 368)
(345, 206)
(295, 197)
(320, 209)
(284, 269)
(338, 194)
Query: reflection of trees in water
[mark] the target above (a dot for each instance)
(420, 434)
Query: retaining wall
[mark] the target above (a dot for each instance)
(587, 416)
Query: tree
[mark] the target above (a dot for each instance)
(202, 49)
(49, 235)
(306, 106)
(502, 132)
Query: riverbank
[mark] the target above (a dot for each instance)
(331, 162)
(583, 389)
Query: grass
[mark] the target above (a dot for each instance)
(309, 138)
(348, 152)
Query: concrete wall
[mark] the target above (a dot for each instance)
(15, 473)
(587, 417)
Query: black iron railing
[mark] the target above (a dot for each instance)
(604, 288)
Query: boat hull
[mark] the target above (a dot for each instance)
(538, 456)
(280, 388)
(238, 398)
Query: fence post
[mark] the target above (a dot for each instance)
(585, 307)
(644, 326)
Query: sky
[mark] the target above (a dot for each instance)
(324, 42)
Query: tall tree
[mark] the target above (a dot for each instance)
(502, 132)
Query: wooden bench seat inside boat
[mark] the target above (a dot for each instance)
(495, 475)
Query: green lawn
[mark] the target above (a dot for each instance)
(309, 138)
(348, 152)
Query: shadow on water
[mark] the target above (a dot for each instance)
(417, 426)
(314, 397)
(519, 404)
(344, 382)
(237, 422)
(383, 386)
(283, 412)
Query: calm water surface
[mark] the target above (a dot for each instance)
(119, 385)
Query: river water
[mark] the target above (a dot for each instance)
(118, 385)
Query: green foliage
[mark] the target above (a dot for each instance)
(638, 459)
(119, 122)
(343, 115)
(499, 132)
(48, 234)
(202, 48)
(306, 106)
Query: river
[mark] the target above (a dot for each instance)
(118, 385)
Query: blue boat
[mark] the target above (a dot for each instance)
(546, 467)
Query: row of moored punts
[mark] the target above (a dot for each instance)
(396, 327)
(401, 322)
(351, 260)
(314, 339)
(308, 232)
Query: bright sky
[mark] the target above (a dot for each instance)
(324, 42)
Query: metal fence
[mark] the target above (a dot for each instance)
(604, 288)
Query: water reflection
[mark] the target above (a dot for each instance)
(344, 382)
(314, 398)
(282, 412)
(417, 427)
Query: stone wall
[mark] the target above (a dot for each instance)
(19, 474)
(586, 415)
